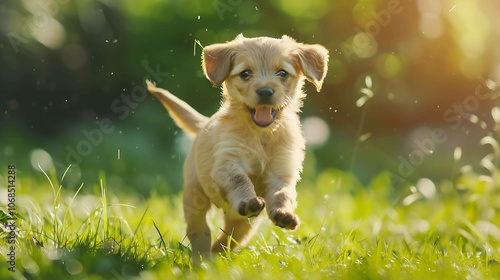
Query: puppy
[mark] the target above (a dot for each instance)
(248, 155)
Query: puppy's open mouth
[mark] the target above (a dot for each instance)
(263, 115)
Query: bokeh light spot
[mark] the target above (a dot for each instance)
(50, 33)
(426, 187)
(472, 45)
(388, 65)
(429, 6)
(8, 151)
(74, 56)
(73, 266)
(39, 156)
(431, 26)
(30, 265)
(364, 45)
(316, 131)
(361, 12)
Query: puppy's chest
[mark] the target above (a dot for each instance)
(258, 156)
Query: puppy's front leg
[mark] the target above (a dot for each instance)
(239, 190)
(281, 198)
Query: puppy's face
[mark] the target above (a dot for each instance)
(264, 74)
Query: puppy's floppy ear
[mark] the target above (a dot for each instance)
(313, 60)
(217, 61)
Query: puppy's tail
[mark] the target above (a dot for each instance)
(187, 118)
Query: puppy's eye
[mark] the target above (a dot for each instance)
(282, 73)
(245, 75)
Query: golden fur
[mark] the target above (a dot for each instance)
(248, 155)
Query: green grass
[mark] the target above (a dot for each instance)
(348, 231)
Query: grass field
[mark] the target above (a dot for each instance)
(409, 83)
(349, 231)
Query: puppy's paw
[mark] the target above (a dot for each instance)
(284, 219)
(252, 207)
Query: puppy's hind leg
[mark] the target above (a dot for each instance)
(239, 229)
(196, 206)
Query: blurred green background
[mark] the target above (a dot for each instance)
(408, 83)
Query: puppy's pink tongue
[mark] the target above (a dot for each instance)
(263, 114)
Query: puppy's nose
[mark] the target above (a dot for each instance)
(265, 92)
(265, 96)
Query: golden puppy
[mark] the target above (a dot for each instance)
(247, 156)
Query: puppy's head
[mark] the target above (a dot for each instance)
(265, 75)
